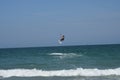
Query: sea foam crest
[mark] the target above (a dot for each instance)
(60, 73)
(65, 55)
(57, 54)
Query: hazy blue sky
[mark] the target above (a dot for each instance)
(27, 23)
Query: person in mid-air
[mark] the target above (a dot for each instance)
(62, 38)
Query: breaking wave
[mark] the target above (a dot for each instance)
(65, 55)
(57, 54)
(60, 73)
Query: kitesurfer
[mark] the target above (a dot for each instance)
(62, 38)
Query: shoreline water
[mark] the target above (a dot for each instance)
(88, 62)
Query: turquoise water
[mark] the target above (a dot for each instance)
(90, 62)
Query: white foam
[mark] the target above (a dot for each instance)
(65, 55)
(57, 54)
(60, 73)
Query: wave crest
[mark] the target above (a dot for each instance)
(65, 55)
(60, 73)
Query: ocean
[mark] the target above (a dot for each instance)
(85, 62)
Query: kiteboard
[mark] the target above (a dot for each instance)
(60, 42)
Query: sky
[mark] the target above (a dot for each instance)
(35, 23)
